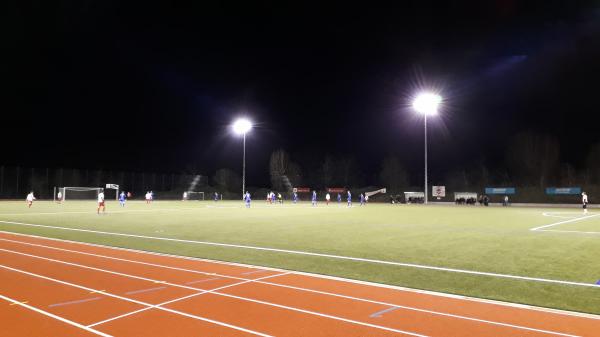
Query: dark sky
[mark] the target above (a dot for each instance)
(144, 85)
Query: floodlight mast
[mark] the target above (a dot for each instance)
(241, 127)
(426, 104)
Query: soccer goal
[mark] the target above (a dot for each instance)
(77, 193)
(198, 196)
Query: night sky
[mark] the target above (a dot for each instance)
(149, 86)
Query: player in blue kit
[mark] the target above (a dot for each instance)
(349, 199)
(247, 199)
(362, 199)
(339, 198)
(295, 197)
(314, 198)
(122, 199)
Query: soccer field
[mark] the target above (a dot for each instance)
(482, 252)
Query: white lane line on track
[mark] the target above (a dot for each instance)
(331, 256)
(259, 280)
(319, 276)
(204, 292)
(564, 222)
(150, 306)
(179, 299)
(45, 313)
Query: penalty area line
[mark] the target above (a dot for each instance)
(331, 256)
(564, 222)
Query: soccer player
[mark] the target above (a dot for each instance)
(349, 199)
(247, 199)
(184, 196)
(122, 199)
(59, 197)
(295, 197)
(314, 198)
(101, 202)
(280, 198)
(584, 201)
(327, 198)
(151, 196)
(147, 197)
(339, 198)
(362, 199)
(30, 198)
(366, 198)
(216, 196)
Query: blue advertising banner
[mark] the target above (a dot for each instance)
(500, 190)
(563, 190)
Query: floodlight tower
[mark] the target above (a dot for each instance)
(426, 104)
(241, 127)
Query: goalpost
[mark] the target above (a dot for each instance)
(78, 193)
(191, 195)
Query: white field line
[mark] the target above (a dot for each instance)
(321, 276)
(45, 313)
(203, 292)
(93, 211)
(337, 257)
(563, 231)
(150, 306)
(261, 281)
(182, 298)
(564, 222)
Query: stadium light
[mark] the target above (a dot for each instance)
(426, 104)
(241, 127)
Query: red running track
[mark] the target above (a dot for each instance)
(53, 287)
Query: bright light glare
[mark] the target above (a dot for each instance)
(242, 126)
(427, 103)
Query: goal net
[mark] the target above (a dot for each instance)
(77, 193)
(199, 196)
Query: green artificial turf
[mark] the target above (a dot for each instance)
(485, 239)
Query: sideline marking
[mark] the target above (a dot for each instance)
(15, 303)
(318, 276)
(215, 291)
(64, 320)
(338, 257)
(150, 306)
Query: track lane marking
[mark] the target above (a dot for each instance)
(45, 313)
(318, 276)
(214, 291)
(150, 306)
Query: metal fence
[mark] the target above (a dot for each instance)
(17, 181)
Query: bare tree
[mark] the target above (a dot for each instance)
(593, 164)
(227, 180)
(327, 171)
(278, 168)
(392, 175)
(533, 158)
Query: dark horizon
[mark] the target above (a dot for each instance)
(155, 87)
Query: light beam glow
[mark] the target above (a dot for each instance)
(427, 103)
(242, 126)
